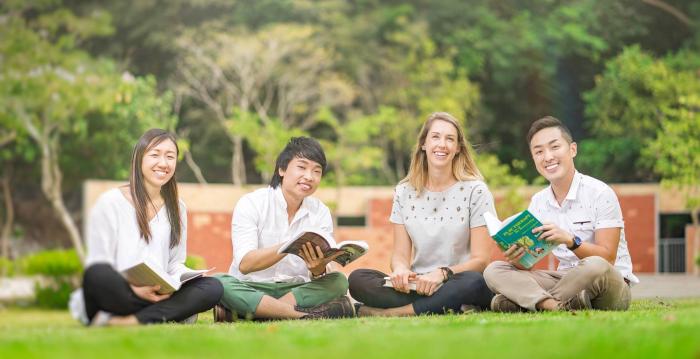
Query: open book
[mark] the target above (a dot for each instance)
(350, 250)
(517, 230)
(149, 273)
(411, 284)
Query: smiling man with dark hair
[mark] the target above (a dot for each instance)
(582, 215)
(264, 284)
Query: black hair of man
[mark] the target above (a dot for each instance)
(547, 122)
(301, 147)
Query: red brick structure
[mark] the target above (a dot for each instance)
(210, 206)
(209, 236)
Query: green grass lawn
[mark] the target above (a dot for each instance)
(650, 329)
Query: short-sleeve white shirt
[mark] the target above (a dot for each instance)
(260, 221)
(590, 205)
(439, 223)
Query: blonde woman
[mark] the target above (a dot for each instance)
(441, 245)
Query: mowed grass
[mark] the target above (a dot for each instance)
(650, 329)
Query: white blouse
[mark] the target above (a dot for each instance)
(113, 236)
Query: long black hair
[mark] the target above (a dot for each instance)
(168, 191)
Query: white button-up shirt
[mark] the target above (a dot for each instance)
(260, 221)
(590, 205)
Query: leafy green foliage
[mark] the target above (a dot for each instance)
(195, 262)
(633, 98)
(52, 263)
(8, 267)
(60, 274)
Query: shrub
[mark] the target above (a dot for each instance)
(60, 271)
(7, 267)
(52, 263)
(195, 262)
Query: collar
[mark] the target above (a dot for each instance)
(571, 195)
(282, 203)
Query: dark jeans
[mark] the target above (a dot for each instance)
(366, 286)
(105, 289)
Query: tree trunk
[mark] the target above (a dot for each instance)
(238, 162)
(694, 214)
(9, 215)
(194, 167)
(51, 186)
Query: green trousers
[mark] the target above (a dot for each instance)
(243, 297)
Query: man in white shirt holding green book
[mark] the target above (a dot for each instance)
(582, 216)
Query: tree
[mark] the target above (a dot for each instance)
(277, 72)
(59, 95)
(676, 155)
(628, 105)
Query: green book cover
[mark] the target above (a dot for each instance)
(518, 231)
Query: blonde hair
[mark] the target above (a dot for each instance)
(463, 165)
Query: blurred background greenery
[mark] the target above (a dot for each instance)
(81, 80)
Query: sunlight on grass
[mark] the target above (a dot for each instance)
(652, 328)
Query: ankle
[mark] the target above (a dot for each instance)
(123, 321)
(548, 304)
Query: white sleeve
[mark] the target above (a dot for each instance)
(178, 254)
(608, 213)
(101, 234)
(244, 229)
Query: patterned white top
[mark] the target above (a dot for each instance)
(439, 223)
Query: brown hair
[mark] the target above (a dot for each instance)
(168, 191)
(547, 122)
(463, 165)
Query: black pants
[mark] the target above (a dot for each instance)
(105, 289)
(366, 286)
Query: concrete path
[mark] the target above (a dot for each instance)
(666, 286)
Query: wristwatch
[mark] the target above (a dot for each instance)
(448, 273)
(577, 243)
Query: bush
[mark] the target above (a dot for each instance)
(7, 267)
(697, 260)
(60, 271)
(195, 262)
(52, 263)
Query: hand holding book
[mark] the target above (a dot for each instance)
(315, 260)
(318, 239)
(519, 238)
(149, 293)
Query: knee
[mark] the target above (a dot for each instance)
(337, 283)
(357, 281)
(212, 289)
(96, 275)
(473, 282)
(595, 266)
(493, 270)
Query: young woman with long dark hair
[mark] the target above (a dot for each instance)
(144, 220)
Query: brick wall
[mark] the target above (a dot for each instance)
(209, 236)
(639, 212)
(690, 250)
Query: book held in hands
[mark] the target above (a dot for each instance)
(411, 284)
(517, 230)
(148, 273)
(349, 250)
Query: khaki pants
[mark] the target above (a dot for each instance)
(604, 283)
